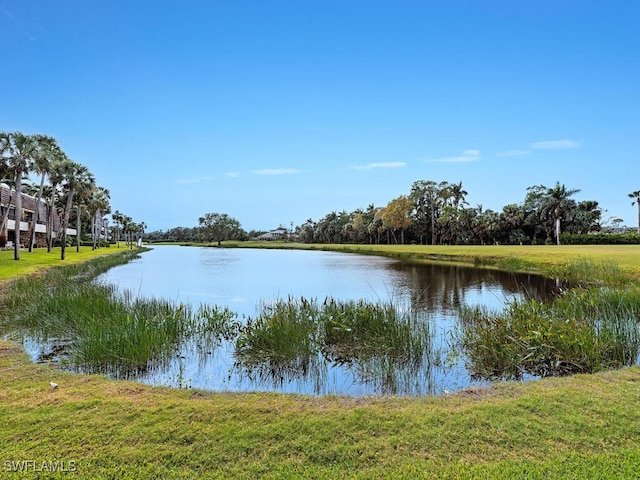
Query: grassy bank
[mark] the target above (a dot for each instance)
(546, 259)
(585, 426)
(40, 260)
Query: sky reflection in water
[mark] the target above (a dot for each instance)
(242, 279)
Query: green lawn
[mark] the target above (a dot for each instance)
(542, 257)
(39, 259)
(586, 426)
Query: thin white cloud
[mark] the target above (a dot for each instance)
(194, 180)
(514, 153)
(232, 174)
(371, 166)
(466, 156)
(556, 144)
(275, 171)
(21, 26)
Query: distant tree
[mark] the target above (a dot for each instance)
(397, 216)
(429, 197)
(97, 206)
(556, 203)
(218, 227)
(117, 217)
(512, 223)
(636, 201)
(586, 217)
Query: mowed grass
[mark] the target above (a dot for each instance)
(513, 257)
(40, 259)
(587, 426)
(584, 426)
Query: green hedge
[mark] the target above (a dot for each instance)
(600, 239)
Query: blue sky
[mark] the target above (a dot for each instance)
(277, 111)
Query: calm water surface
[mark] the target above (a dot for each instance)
(242, 279)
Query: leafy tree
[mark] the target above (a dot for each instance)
(512, 221)
(397, 216)
(218, 227)
(586, 217)
(307, 231)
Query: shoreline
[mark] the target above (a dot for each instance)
(559, 427)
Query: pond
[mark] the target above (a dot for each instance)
(248, 281)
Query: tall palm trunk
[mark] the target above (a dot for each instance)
(50, 218)
(5, 215)
(78, 225)
(16, 247)
(65, 224)
(93, 231)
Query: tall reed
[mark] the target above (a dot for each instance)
(584, 330)
(298, 338)
(101, 329)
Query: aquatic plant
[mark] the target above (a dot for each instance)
(283, 332)
(298, 338)
(357, 329)
(585, 330)
(99, 329)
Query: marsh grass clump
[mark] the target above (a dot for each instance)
(297, 338)
(584, 331)
(585, 272)
(216, 323)
(102, 330)
(357, 329)
(283, 332)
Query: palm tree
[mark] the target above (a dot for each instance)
(56, 178)
(98, 205)
(429, 198)
(117, 217)
(85, 188)
(458, 199)
(556, 202)
(636, 201)
(143, 227)
(458, 195)
(74, 175)
(16, 154)
(48, 152)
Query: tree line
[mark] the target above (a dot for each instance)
(435, 213)
(67, 189)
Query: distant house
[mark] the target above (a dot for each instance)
(29, 208)
(279, 233)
